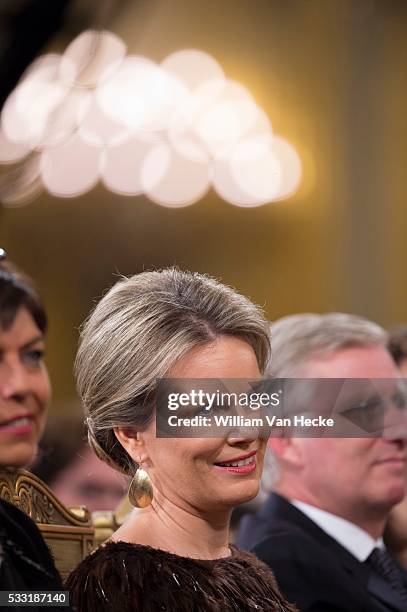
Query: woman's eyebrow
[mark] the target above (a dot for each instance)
(29, 343)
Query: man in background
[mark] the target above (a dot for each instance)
(321, 529)
(398, 347)
(396, 529)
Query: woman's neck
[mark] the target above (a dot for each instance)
(178, 529)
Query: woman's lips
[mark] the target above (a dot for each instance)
(239, 466)
(19, 426)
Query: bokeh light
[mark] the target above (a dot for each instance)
(72, 168)
(99, 129)
(225, 118)
(121, 169)
(28, 178)
(256, 169)
(169, 131)
(172, 180)
(193, 67)
(30, 106)
(140, 95)
(91, 58)
(11, 152)
(291, 170)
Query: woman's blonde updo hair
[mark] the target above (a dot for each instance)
(136, 334)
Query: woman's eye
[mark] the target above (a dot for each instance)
(33, 357)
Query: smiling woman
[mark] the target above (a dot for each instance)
(174, 554)
(24, 387)
(25, 562)
(24, 382)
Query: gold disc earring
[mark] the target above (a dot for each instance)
(140, 489)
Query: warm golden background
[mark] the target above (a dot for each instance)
(332, 76)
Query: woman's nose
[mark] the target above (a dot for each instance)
(13, 380)
(242, 435)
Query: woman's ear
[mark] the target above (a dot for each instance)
(130, 439)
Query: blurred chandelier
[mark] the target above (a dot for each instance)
(169, 131)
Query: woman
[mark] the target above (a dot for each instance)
(67, 464)
(25, 561)
(174, 554)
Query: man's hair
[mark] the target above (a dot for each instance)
(398, 343)
(296, 339)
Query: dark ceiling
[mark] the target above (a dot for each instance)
(26, 26)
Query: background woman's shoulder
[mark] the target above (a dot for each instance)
(25, 549)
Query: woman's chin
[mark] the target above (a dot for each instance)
(243, 494)
(18, 456)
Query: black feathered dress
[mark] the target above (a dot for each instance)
(124, 577)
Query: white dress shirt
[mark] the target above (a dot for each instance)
(357, 541)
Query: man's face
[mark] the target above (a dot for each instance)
(403, 367)
(349, 473)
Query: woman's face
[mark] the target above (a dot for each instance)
(24, 390)
(186, 470)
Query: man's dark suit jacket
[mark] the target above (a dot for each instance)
(313, 570)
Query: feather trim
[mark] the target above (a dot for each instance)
(124, 577)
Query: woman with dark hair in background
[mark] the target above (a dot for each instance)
(67, 464)
(174, 554)
(25, 561)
